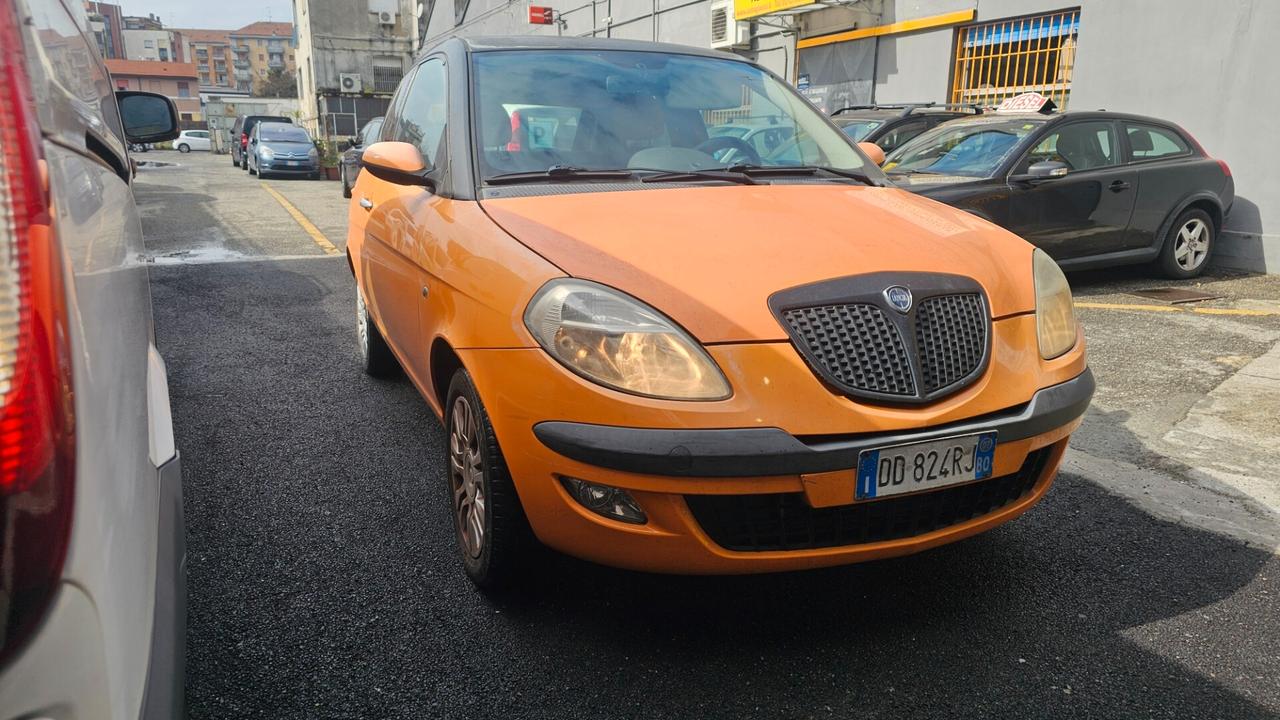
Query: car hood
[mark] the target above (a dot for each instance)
(710, 257)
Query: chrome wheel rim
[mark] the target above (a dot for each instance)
(466, 476)
(362, 324)
(1191, 246)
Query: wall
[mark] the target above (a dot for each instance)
(165, 86)
(221, 112)
(135, 45)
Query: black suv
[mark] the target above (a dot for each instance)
(889, 126)
(241, 131)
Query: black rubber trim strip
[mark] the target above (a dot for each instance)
(757, 452)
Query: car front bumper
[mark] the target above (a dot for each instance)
(275, 166)
(784, 449)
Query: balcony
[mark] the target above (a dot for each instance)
(242, 64)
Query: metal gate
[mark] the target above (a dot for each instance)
(1000, 59)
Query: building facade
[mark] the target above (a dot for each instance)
(1130, 56)
(351, 55)
(176, 80)
(107, 24)
(259, 49)
(162, 45)
(140, 22)
(210, 51)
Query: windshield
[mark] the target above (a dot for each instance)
(283, 133)
(594, 110)
(973, 149)
(859, 129)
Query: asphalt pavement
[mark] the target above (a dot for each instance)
(323, 581)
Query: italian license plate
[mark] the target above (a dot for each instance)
(925, 465)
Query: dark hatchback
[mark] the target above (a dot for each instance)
(349, 163)
(891, 126)
(1092, 189)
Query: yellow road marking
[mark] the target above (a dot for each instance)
(1174, 309)
(306, 224)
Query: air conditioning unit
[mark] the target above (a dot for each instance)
(726, 32)
(386, 18)
(350, 83)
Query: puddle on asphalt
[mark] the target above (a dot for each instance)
(208, 254)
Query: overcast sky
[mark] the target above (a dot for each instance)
(213, 14)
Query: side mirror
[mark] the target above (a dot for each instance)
(147, 117)
(355, 141)
(1042, 171)
(253, 141)
(397, 162)
(345, 145)
(874, 152)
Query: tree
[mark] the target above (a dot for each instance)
(278, 83)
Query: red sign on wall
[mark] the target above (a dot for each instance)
(539, 15)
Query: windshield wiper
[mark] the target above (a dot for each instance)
(557, 173)
(690, 175)
(793, 170)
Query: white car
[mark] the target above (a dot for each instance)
(92, 588)
(190, 140)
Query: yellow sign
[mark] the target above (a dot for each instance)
(747, 9)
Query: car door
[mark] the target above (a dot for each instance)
(396, 241)
(202, 140)
(1087, 211)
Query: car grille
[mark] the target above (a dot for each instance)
(951, 334)
(785, 521)
(865, 349)
(857, 346)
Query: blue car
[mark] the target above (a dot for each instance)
(282, 149)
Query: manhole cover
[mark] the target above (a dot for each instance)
(1175, 295)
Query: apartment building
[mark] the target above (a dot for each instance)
(162, 45)
(260, 48)
(351, 56)
(176, 80)
(211, 53)
(107, 25)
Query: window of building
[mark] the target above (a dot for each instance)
(184, 90)
(155, 85)
(261, 57)
(1000, 59)
(148, 43)
(122, 84)
(186, 117)
(1147, 142)
(204, 78)
(164, 54)
(386, 74)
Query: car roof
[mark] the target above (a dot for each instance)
(540, 42)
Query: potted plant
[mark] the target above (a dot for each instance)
(328, 158)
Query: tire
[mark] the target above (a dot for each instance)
(1188, 246)
(234, 162)
(375, 356)
(250, 169)
(496, 556)
(342, 175)
(184, 148)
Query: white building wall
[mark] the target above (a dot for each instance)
(135, 45)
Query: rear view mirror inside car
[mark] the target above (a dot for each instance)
(147, 117)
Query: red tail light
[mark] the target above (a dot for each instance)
(37, 436)
(1226, 169)
(244, 139)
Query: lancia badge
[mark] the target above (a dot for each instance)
(898, 297)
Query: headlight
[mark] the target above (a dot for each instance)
(615, 340)
(266, 153)
(1055, 314)
(313, 153)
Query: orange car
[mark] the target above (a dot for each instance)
(657, 345)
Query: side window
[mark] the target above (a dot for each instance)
(1082, 146)
(901, 134)
(392, 118)
(424, 113)
(1147, 142)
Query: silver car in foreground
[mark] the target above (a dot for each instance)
(92, 590)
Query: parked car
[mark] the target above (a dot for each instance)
(1092, 189)
(282, 149)
(192, 140)
(240, 132)
(92, 589)
(889, 126)
(349, 163)
(764, 135)
(649, 360)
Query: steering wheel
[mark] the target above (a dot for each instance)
(725, 142)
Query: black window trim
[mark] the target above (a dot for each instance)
(441, 174)
(1128, 153)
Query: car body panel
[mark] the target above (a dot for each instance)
(116, 539)
(194, 140)
(670, 252)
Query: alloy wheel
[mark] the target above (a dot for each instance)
(1191, 246)
(466, 476)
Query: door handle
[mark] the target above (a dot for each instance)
(1119, 185)
(366, 203)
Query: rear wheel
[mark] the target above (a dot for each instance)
(184, 148)
(1188, 246)
(375, 355)
(342, 175)
(493, 534)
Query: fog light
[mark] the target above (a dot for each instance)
(611, 502)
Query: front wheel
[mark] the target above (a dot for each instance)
(1188, 245)
(493, 534)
